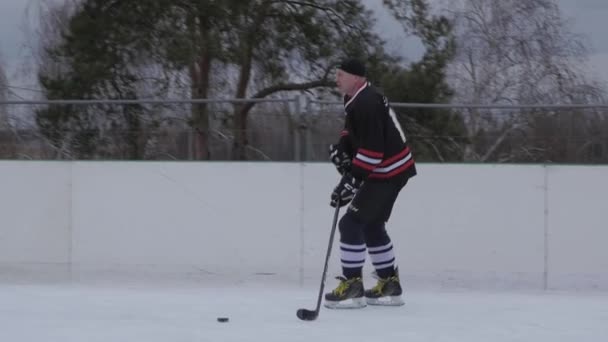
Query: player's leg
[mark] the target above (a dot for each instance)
(388, 289)
(350, 291)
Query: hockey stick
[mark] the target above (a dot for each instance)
(310, 315)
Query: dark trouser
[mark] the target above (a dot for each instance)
(363, 228)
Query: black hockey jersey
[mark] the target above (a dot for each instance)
(374, 137)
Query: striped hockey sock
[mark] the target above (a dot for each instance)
(383, 259)
(352, 258)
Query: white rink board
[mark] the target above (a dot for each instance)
(454, 226)
(464, 226)
(35, 210)
(578, 227)
(451, 226)
(201, 218)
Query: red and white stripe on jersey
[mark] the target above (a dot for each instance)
(394, 165)
(344, 133)
(367, 159)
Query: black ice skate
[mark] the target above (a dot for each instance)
(386, 292)
(348, 295)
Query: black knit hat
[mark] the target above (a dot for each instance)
(353, 66)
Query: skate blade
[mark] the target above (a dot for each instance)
(353, 303)
(386, 301)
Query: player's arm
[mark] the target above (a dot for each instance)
(341, 154)
(345, 143)
(370, 151)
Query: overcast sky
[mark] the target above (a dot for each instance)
(589, 17)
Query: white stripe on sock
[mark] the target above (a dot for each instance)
(383, 257)
(378, 258)
(388, 264)
(352, 247)
(354, 257)
(380, 248)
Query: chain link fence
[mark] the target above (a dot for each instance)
(293, 129)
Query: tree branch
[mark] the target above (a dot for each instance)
(322, 82)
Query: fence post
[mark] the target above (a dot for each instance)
(300, 105)
(306, 126)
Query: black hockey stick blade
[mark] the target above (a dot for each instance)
(307, 315)
(311, 315)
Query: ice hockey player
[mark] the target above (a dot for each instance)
(375, 162)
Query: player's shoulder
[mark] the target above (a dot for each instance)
(371, 95)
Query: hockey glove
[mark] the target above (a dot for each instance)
(345, 190)
(340, 159)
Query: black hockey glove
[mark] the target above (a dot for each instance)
(345, 190)
(340, 159)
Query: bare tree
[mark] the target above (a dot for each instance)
(514, 52)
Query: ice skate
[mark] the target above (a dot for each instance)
(387, 292)
(348, 295)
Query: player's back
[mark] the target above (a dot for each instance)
(377, 135)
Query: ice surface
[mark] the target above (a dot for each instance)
(131, 312)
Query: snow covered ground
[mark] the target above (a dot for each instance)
(155, 312)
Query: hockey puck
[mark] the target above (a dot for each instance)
(222, 319)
